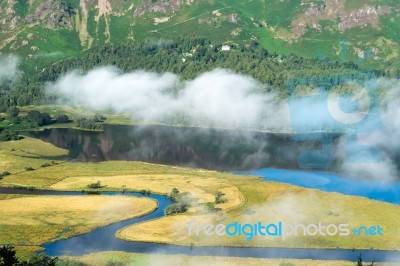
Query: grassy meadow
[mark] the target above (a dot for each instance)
(35, 220)
(133, 259)
(248, 199)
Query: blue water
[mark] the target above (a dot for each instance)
(332, 182)
(103, 239)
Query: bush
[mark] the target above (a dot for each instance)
(7, 135)
(38, 118)
(8, 256)
(45, 165)
(181, 202)
(175, 208)
(3, 174)
(145, 192)
(219, 197)
(61, 119)
(87, 123)
(13, 113)
(95, 185)
(28, 168)
(210, 206)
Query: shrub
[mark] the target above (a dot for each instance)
(38, 118)
(175, 208)
(29, 168)
(181, 202)
(45, 165)
(219, 197)
(3, 174)
(145, 192)
(61, 119)
(95, 185)
(7, 135)
(8, 256)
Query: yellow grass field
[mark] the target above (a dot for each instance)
(16, 155)
(34, 220)
(136, 259)
(249, 200)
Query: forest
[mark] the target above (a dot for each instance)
(188, 58)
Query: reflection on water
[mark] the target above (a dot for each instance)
(193, 147)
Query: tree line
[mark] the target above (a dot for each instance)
(187, 57)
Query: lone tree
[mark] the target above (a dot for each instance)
(8, 256)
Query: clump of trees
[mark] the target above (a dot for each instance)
(39, 119)
(62, 119)
(181, 202)
(92, 123)
(219, 197)
(7, 135)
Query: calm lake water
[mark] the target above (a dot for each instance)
(193, 147)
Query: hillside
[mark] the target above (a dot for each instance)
(362, 31)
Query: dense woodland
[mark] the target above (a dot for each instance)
(189, 58)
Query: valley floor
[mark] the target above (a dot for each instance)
(35, 164)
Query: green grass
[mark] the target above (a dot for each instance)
(276, 13)
(136, 259)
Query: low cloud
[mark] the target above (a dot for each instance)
(218, 98)
(8, 67)
(223, 99)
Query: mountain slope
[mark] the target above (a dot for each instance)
(364, 31)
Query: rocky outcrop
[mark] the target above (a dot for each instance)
(52, 14)
(162, 6)
(335, 10)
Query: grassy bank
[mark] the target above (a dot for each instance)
(247, 200)
(102, 258)
(30, 221)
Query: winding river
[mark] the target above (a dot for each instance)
(210, 149)
(103, 239)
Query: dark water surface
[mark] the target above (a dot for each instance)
(216, 149)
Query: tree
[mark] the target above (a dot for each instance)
(38, 118)
(63, 118)
(8, 256)
(219, 197)
(13, 113)
(7, 135)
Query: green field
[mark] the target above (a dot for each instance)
(208, 19)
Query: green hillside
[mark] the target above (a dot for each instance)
(362, 31)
